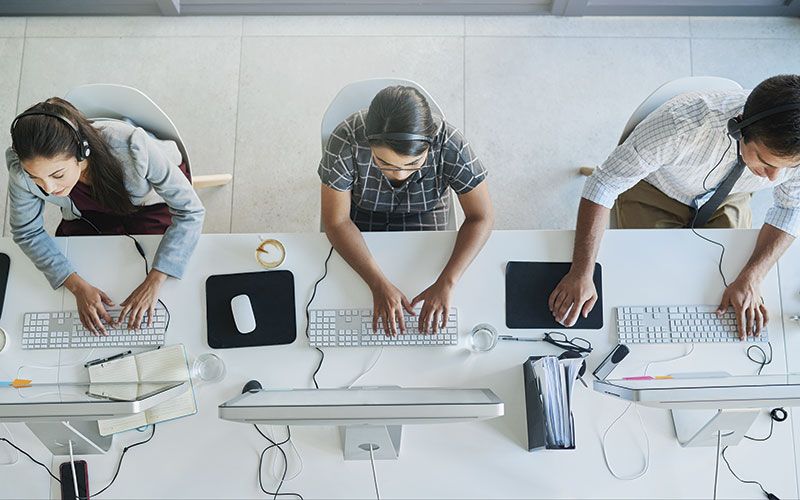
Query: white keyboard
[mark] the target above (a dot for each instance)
(63, 330)
(353, 328)
(691, 324)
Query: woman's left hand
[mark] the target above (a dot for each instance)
(436, 306)
(142, 300)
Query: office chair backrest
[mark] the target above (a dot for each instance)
(669, 90)
(358, 95)
(108, 100)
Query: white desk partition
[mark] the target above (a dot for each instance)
(204, 457)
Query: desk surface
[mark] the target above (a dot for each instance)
(465, 460)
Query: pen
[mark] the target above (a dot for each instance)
(518, 339)
(106, 360)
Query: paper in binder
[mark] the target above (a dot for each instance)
(549, 385)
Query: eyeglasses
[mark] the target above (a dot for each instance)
(575, 344)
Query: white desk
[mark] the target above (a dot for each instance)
(789, 270)
(204, 457)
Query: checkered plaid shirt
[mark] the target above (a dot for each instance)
(676, 146)
(347, 165)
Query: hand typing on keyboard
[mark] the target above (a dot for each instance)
(388, 305)
(90, 302)
(435, 308)
(744, 295)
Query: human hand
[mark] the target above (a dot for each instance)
(90, 302)
(142, 300)
(575, 294)
(388, 303)
(435, 308)
(744, 295)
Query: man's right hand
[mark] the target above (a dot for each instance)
(388, 303)
(90, 302)
(575, 294)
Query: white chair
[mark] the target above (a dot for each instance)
(357, 96)
(108, 100)
(664, 93)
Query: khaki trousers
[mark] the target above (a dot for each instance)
(644, 206)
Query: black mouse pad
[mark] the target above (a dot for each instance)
(272, 297)
(528, 289)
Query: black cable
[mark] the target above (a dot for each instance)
(33, 459)
(745, 481)
(124, 451)
(694, 219)
(776, 415)
(308, 319)
(275, 444)
(761, 362)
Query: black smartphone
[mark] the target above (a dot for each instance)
(68, 483)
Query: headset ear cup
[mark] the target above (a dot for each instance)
(735, 128)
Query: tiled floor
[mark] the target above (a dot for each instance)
(537, 96)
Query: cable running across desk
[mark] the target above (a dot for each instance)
(275, 444)
(308, 319)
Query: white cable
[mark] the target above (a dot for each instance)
(74, 474)
(369, 369)
(716, 470)
(11, 438)
(646, 465)
(374, 474)
(276, 474)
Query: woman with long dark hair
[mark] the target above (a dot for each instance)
(391, 168)
(107, 177)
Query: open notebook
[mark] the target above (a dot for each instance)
(159, 365)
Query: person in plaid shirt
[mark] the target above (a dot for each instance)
(391, 168)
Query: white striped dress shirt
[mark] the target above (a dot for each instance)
(678, 144)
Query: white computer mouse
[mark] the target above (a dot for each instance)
(243, 314)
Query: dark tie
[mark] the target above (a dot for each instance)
(705, 212)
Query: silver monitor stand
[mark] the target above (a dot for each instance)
(701, 427)
(383, 439)
(85, 437)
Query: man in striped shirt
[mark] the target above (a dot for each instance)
(673, 162)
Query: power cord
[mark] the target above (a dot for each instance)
(603, 446)
(369, 369)
(308, 319)
(374, 474)
(776, 415)
(275, 444)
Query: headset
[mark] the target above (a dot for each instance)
(736, 124)
(83, 145)
(400, 136)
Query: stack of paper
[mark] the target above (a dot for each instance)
(556, 379)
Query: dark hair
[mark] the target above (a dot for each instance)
(400, 109)
(48, 137)
(780, 132)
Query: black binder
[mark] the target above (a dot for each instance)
(535, 414)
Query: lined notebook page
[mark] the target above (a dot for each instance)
(168, 363)
(159, 365)
(119, 370)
